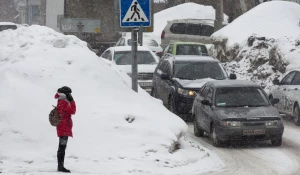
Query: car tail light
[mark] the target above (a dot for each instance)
(162, 34)
(159, 54)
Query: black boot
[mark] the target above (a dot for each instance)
(61, 159)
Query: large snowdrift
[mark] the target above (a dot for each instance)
(116, 131)
(262, 43)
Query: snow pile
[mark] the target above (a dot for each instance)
(116, 131)
(264, 42)
(183, 11)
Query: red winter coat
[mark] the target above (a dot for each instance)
(66, 110)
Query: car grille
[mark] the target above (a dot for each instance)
(253, 124)
(147, 76)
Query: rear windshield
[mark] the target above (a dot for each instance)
(191, 49)
(192, 29)
(198, 70)
(146, 42)
(5, 27)
(124, 58)
(240, 97)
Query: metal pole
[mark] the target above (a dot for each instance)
(27, 13)
(80, 27)
(140, 38)
(219, 15)
(134, 66)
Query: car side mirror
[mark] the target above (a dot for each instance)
(205, 103)
(274, 101)
(159, 54)
(164, 76)
(276, 82)
(232, 76)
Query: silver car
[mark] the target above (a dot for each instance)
(288, 92)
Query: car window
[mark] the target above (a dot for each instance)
(109, 57)
(296, 80)
(105, 54)
(178, 28)
(118, 42)
(170, 50)
(288, 78)
(6, 27)
(209, 94)
(193, 70)
(166, 49)
(240, 97)
(204, 92)
(193, 29)
(122, 42)
(165, 67)
(191, 49)
(124, 58)
(206, 30)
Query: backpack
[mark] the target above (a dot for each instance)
(54, 117)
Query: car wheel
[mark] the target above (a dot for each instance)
(197, 131)
(214, 136)
(276, 142)
(296, 115)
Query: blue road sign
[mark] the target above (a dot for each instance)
(135, 13)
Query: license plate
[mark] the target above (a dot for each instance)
(254, 132)
(145, 84)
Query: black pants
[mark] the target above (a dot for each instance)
(61, 150)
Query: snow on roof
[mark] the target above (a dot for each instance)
(272, 19)
(128, 48)
(6, 23)
(197, 58)
(233, 83)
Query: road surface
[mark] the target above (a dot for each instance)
(259, 158)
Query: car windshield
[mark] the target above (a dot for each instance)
(191, 49)
(240, 97)
(124, 58)
(5, 27)
(146, 42)
(198, 70)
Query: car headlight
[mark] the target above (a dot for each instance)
(186, 92)
(231, 123)
(274, 123)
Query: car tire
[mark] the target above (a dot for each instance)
(197, 131)
(214, 136)
(276, 142)
(296, 115)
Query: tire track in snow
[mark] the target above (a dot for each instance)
(259, 157)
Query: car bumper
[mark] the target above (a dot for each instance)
(225, 133)
(184, 104)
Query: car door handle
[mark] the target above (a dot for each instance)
(284, 89)
(296, 89)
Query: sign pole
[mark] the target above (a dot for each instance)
(80, 28)
(134, 66)
(140, 38)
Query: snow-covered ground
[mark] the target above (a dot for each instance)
(116, 131)
(263, 43)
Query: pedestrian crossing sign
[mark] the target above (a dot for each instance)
(135, 13)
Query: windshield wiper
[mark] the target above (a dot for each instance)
(183, 78)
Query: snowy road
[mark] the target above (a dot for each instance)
(259, 157)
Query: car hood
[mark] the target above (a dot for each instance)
(194, 84)
(141, 68)
(246, 113)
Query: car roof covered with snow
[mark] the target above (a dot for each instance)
(195, 58)
(128, 48)
(232, 83)
(7, 23)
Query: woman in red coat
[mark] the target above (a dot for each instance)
(66, 108)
